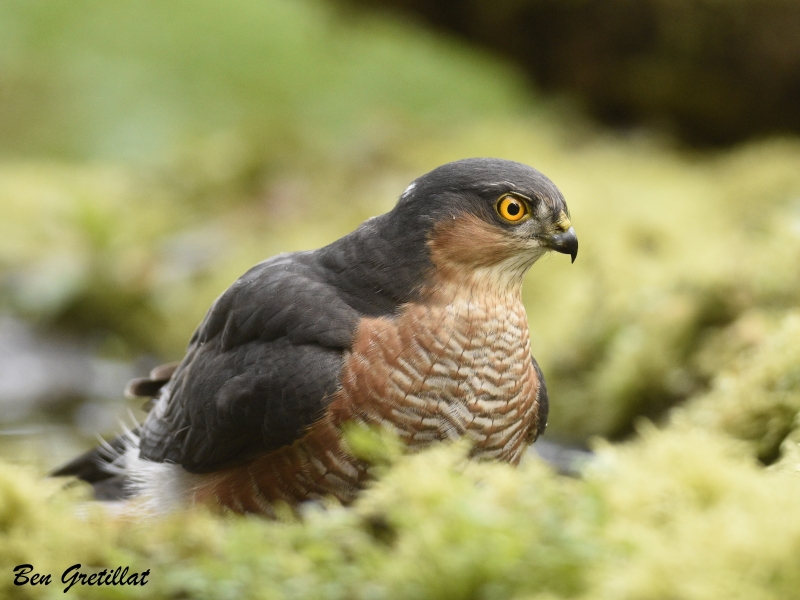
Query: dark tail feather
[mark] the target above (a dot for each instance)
(97, 468)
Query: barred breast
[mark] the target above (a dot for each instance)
(456, 365)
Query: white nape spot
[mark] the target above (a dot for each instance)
(409, 189)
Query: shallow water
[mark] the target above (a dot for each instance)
(57, 395)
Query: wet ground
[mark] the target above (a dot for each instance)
(57, 395)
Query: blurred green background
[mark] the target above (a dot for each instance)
(150, 152)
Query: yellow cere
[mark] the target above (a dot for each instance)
(563, 221)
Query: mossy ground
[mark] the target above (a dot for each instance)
(682, 306)
(676, 514)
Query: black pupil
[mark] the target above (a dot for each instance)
(513, 209)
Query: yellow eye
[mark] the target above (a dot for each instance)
(511, 208)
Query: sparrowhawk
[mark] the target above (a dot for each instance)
(414, 321)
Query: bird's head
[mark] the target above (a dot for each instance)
(489, 214)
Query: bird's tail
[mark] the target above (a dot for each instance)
(103, 467)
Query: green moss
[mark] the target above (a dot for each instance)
(679, 513)
(695, 517)
(758, 398)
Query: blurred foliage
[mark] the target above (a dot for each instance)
(273, 80)
(682, 255)
(709, 71)
(150, 152)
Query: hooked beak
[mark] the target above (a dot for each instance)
(566, 243)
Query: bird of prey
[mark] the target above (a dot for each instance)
(414, 321)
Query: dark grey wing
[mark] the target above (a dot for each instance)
(259, 370)
(542, 399)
